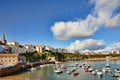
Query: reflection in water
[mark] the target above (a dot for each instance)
(47, 72)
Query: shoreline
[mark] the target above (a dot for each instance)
(101, 59)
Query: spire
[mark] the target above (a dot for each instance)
(3, 40)
(3, 36)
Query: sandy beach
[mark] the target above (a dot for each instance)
(96, 59)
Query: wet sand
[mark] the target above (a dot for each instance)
(12, 77)
(96, 59)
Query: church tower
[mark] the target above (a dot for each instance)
(3, 40)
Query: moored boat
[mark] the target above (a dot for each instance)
(93, 72)
(75, 73)
(117, 70)
(118, 78)
(99, 73)
(90, 69)
(69, 72)
(104, 70)
(58, 71)
(32, 68)
(111, 74)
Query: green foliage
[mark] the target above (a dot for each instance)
(63, 56)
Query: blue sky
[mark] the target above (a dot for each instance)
(32, 21)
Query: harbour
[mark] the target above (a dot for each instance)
(47, 72)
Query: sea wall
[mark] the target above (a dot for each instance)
(21, 68)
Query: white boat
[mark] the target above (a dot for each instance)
(117, 74)
(111, 74)
(96, 70)
(93, 72)
(117, 70)
(107, 65)
(42, 66)
(104, 70)
(99, 73)
(90, 69)
(69, 72)
(58, 71)
(76, 64)
(32, 68)
(118, 78)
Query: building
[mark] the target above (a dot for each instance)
(13, 43)
(3, 46)
(40, 48)
(29, 48)
(64, 51)
(3, 41)
(11, 59)
(48, 48)
(4, 49)
(16, 48)
(61, 50)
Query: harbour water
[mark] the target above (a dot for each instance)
(47, 72)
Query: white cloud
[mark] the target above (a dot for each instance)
(101, 15)
(93, 46)
(88, 44)
(111, 47)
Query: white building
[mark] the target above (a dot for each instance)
(13, 43)
(59, 50)
(40, 48)
(3, 48)
(30, 48)
(47, 48)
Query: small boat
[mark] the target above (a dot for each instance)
(117, 70)
(86, 70)
(75, 73)
(80, 66)
(32, 68)
(99, 73)
(63, 67)
(76, 63)
(83, 67)
(93, 72)
(107, 65)
(73, 70)
(118, 78)
(104, 70)
(42, 66)
(69, 72)
(96, 70)
(90, 69)
(111, 74)
(58, 71)
(117, 74)
(88, 66)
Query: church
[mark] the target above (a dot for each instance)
(3, 40)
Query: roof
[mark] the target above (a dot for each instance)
(9, 55)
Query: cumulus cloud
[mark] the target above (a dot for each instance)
(88, 44)
(102, 15)
(111, 47)
(91, 45)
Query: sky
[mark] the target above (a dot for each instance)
(72, 24)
